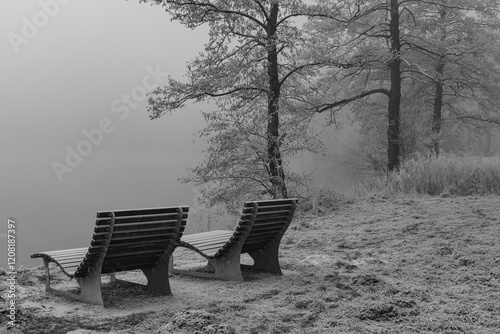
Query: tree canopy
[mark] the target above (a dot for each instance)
(267, 74)
(253, 69)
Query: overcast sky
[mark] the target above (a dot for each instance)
(75, 134)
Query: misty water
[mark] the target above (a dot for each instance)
(58, 215)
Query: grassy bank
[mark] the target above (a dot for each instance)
(382, 264)
(447, 174)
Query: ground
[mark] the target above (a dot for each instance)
(374, 265)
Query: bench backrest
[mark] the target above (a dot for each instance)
(133, 239)
(272, 220)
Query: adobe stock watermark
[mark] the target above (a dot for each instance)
(11, 271)
(121, 107)
(31, 26)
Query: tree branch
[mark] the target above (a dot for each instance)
(343, 102)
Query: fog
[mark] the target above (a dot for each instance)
(75, 134)
(75, 83)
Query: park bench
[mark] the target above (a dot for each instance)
(123, 240)
(258, 233)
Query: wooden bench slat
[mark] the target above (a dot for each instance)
(76, 251)
(266, 227)
(99, 239)
(205, 245)
(207, 236)
(144, 233)
(204, 248)
(199, 243)
(276, 208)
(121, 250)
(66, 251)
(139, 242)
(128, 220)
(66, 257)
(138, 258)
(149, 231)
(269, 223)
(143, 212)
(152, 251)
(136, 247)
(266, 237)
(131, 252)
(74, 260)
(142, 262)
(142, 223)
(118, 268)
(273, 212)
(260, 228)
(128, 250)
(164, 228)
(209, 233)
(209, 243)
(160, 216)
(277, 216)
(131, 237)
(265, 202)
(263, 219)
(62, 259)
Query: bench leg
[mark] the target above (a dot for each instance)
(158, 276)
(267, 259)
(47, 275)
(114, 280)
(171, 263)
(91, 288)
(228, 266)
(225, 268)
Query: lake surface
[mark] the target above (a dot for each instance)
(54, 215)
(57, 215)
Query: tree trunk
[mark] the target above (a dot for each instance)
(438, 106)
(437, 116)
(276, 173)
(487, 146)
(393, 136)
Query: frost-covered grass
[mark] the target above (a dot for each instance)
(445, 174)
(379, 264)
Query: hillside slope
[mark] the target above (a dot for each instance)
(378, 265)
